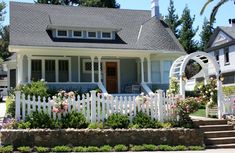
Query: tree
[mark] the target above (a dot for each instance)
(172, 19)
(4, 42)
(187, 32)
(207, 31)
(2, 12)
(90, 3)
(215, 8)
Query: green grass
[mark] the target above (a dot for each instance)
(200, 112)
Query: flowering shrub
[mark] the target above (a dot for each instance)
(174, 86)
(8, 123)
(142, 99)
(60, 101)
(208, 92)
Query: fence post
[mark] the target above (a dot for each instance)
(93, 106)
(160, 105)
(17, 105)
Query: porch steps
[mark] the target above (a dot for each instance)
(217, 133)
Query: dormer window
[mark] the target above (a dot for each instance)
(106, 35)
(91, 34)
(62, 33)
(77, 34)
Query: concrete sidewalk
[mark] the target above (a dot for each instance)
(2, 109)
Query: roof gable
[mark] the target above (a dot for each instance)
(220, 39)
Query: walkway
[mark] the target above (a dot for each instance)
(204, 151)
(2, 110)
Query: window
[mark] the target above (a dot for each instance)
(106, 35)
(87, 66)
(226, 56)
(50, 70)
(217, 56)
(77, 34)
(62, 33)
(166, 71)
(156, 73)
(36, 70)
(91, 34)
(63, 70)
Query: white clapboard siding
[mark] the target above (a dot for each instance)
(99, 107)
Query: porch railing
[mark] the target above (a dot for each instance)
(99, 107)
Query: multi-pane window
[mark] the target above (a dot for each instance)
(106, 35)
(77, 34)
(62, 33)
(166, 71)
(36, 70)
(226, 56)
(156, 72)
(88, 67)
(91, 34)
(50, 71)
(63, 71)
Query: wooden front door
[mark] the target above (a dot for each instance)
(111, 77)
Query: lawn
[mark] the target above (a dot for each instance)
(200, 112)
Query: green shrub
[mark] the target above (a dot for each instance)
(137, 148)
(24, 149)
(149, 147)
(56, 124)
(106, 148)
(180, 148)
(79, 149)
(39, 120)
(143, 120)
(196, 148)
(134, 126)
(118, 121)
(6, 149)
(167, 125)
(41, 149)
(165, 148)
(120, 147)
(10, 106)
(95, 126)
(61, 149)
(24, 125)
(229, 90)
(74, 120)
(92, 149)
(158, 125)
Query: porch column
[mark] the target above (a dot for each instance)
(92, 69)
(99, 69)
(19, 68)
(142, 69)
(8, 78)
(149, 70)
(29, 68)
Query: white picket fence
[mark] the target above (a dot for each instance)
(98, 108)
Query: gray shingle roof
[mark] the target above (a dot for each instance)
(29, 23)
(229, 30)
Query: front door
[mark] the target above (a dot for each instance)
(111, 77)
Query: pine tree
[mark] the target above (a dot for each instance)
(4, 42)
(172, 19)
(207, 31)
(187, 32)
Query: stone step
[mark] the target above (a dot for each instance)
(207, 128)
(220, 146)
(219, 134)
(223, 140)
(210, 122)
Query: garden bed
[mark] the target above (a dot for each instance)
(98, 137)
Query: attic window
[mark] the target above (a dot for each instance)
(62, 33)
(77, 34)
(91, 34)
(106, 35)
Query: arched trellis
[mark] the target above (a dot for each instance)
(204, 59)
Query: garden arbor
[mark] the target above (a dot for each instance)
(208, 63)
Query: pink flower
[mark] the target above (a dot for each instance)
(56, 110)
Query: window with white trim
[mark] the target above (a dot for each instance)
(62, 33)
(106, 35)
(77, 34)
(226, 56)
(36, 70)
(87, 67)
(156, 72)
(63, 70)
(50, 71)
(92, 34)
(217, 56)
(166, 70)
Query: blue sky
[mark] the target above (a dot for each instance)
(226, 12)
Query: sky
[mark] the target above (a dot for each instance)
(195, 6)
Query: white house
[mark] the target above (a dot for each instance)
(73, 47)
(222, 47)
